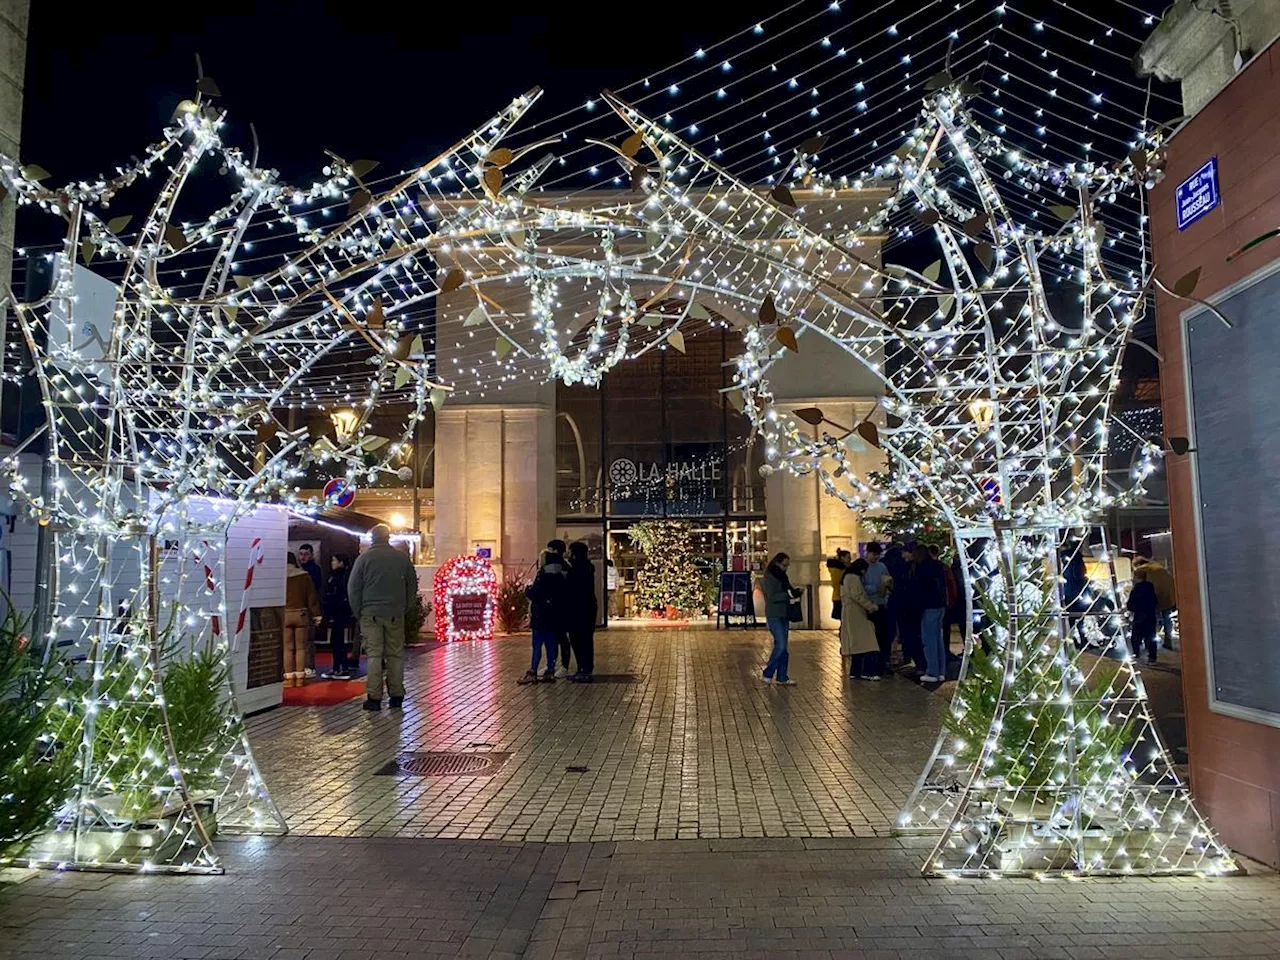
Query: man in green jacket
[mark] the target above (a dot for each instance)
(381, 588)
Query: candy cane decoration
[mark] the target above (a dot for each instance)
(255, 560)
(210, 583)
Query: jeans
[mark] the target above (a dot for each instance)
(933, 640)
(885, 626)
(865, 664)
(338, 642)
(1143, 635)
(1166, 622)
(584, 652)
(384, 639)
(779, 629)
(548, 640)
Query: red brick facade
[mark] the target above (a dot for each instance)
(1235, 764)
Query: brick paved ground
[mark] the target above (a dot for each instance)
(697, 749)
(324, 898)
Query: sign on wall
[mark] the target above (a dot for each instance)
(1197, 195)
(466, 599)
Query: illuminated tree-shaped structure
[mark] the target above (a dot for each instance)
(166, 421)
(995, 408)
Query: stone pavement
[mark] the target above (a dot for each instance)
(326, 898)
(697, 748)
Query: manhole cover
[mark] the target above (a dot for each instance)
(441, 763)
(616, 678)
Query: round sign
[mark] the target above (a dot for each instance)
(340, 491)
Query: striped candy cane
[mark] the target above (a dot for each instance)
(255, 560)
(210, 583)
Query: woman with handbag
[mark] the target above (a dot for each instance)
(781, 605)
(858, 645)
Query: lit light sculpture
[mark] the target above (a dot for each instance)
(466, 599)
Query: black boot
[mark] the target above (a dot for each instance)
(371, 704)
(397, 702)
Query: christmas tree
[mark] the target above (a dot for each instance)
(670, 578)
(911, 517)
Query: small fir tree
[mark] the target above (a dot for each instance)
(910, 518)
(669, 578)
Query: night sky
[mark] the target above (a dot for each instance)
(364, 79)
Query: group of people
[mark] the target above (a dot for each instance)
(903, 593)
(376, 592)
(562, 614)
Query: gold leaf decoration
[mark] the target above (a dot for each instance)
(35, 173)
(87, 249)
(781, 194)
(975, 224)
(438, 397)
(928, 216)
(736, 400)
(813, 145)
(1187, 283)
(969, 89)
(243, 282)
(698, 311)
(374, 318)
(403, 346)
(1099, 232)
(892, 421)
(416, 348)
(265, 432)
(651, 320)
(945, 305)
(452, 280)
(810, 415)
(500, 157)
(502, 346)
(206, 86)
(986, 254)
(360, 199)
(493, 179)
(1139, 158)
(631, 146)
(117, 224)
(373, 442)
(787, 337)
(938, 81)
(768, 311)
(403, 376)
(476, 317)
(932, 271)
(1062, 211)
(869, 432)
(175, 237)
(362, 168)
(676, 339)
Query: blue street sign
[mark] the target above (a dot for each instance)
(1197, 195)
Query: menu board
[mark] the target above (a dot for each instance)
(735, 595)
(467, 610)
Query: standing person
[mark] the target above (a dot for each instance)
(1075, 590)
(563, 643)
(547, 597)
(301, 607)
(582, 608)
(778, 597)
(858, 644)
(381, 588)
(929, 581)
(1166, 595)
(836, 567)
(878, 584)
(953, 597)
(337, 613)
(910, 609)
(1144, 608)
(611, 587)
(307, 561)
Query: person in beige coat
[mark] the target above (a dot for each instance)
(858, 646)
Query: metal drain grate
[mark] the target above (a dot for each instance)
(616, 678)
(444, 763)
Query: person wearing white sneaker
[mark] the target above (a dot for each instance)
(859, 649)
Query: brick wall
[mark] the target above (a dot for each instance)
(266, 646)
(1234, 770)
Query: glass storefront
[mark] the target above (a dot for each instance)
(659, 441)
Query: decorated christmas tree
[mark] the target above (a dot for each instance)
(670, 578)
(909, 517)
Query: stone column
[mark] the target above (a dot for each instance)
(13, 64)
(803, 519)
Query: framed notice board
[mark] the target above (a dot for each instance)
(735, 599)
(1234, 421)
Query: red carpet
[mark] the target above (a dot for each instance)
(323, 693)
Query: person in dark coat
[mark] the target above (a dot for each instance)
(548, 597)
(1144, 612)
(563, 643)
(909, 610)
(1075, 590)
(778, 597)
(337, 615)
(583, 608)
(929, 586)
